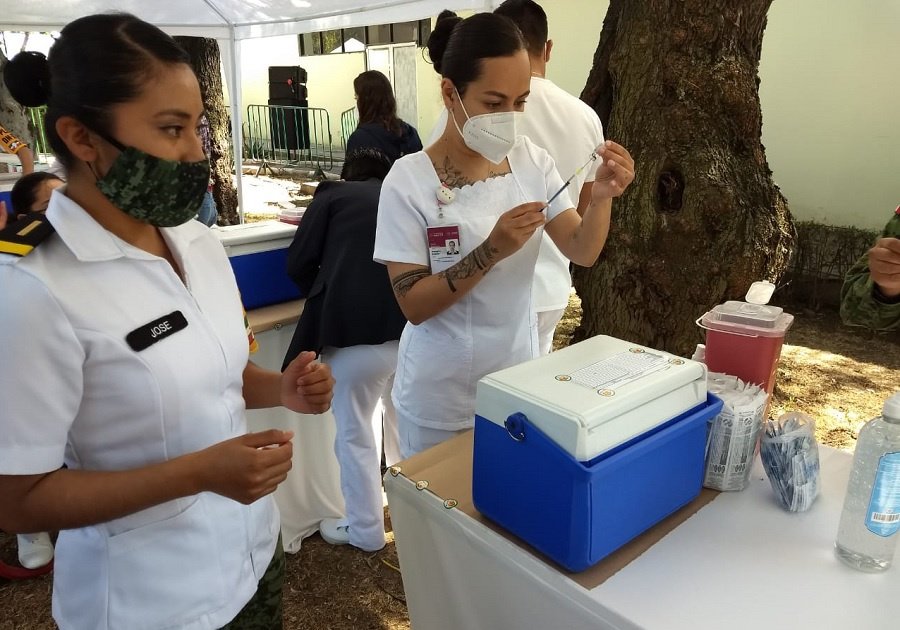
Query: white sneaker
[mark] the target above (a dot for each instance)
(35, 550)
(335, 531)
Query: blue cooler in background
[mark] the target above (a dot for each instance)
(258, 256)
(579, 451)
(7, 180)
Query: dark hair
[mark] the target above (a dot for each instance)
(375, 101)
(362, 164)
(98, 61)
(531, 19)
(23, 192)
(457, 46)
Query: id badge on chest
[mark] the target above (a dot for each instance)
(443, 247)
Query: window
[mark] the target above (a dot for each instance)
(380, 34)
(405, 32)
(357, 38)
(310, 44)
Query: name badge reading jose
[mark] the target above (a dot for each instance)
(157, 330)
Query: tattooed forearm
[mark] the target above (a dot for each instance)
(485, 256)
(449, 280)
(482, 259)
(403, 282)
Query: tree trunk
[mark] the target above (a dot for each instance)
(676, 83)
(12, 115)
(207, 65)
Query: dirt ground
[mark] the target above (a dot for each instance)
(840, 376)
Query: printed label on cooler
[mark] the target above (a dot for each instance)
(883, 515)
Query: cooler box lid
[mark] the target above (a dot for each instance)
(249, 238)
(594, 395)
(749, 319)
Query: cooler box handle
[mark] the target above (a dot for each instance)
(515, 426)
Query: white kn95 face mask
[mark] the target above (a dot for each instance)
(491, 135)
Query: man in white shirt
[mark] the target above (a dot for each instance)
(569, 130)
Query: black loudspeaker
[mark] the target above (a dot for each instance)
(287, 82)
(290, 127)
(283, 74)
(296, 91)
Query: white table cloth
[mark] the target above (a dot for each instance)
(312, 490)
(740, 562)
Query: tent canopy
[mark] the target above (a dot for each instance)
(231, 21)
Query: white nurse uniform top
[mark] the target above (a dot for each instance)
(99, 373)
(492, 326)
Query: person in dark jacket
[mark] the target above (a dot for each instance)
(379, 128)
(352, 318)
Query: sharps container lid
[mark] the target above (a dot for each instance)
(750, 319)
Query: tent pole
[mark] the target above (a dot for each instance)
(236, 125)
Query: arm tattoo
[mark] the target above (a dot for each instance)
(485, 256)
(449, 280)
(403, 282)
(482, 259)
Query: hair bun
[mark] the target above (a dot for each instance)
(27, 75)
(440, 36)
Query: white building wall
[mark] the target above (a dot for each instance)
(830, 98)
(829, 92)
(330, 77)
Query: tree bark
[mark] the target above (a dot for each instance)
(12, 115)
(207, 65)
(677, 84)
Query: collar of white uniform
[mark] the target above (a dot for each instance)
(91, 242)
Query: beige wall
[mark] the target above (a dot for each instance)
(330, 76)
(830, 96)
(330, 80)
(574, 27)
(829, 90)
(430, 103)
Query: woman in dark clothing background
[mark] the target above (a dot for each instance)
(352, 318)
(379, 128)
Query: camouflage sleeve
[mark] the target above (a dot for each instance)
(861, 304)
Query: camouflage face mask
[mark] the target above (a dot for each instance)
(164, 193)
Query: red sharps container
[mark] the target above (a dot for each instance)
(744, 340)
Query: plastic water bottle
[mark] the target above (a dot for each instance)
(870, 522)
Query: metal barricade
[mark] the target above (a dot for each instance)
(349, 121)
(39, 135)
(289, 136)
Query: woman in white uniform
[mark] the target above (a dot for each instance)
(351, 316)
(125, 357)
(486, 190)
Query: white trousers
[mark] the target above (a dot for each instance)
(547, 321)
(415, 439)
(363, 375)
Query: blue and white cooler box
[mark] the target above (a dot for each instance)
(258, 256)
(6, 184)
(579, 451)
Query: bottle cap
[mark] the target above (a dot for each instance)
(892, 407)
(760, 292)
